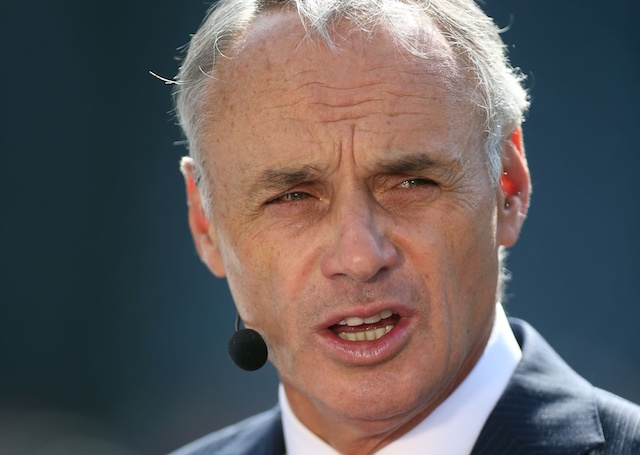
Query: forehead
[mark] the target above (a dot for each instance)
(277, 79)
(276, 53)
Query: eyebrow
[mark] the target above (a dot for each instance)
(279, 179)
(420, 162)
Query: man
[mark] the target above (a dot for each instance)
(357, 169)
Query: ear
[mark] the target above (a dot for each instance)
(202, 229)
(513, 190)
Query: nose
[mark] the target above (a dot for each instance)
(358, 246)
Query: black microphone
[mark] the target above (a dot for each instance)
(247, 348)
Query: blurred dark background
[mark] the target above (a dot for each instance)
(113, 334)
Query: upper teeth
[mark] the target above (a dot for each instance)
(353, 321)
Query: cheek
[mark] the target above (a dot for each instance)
(456, 253)
(473, 288)
(473, 247)
(247, 274)
(263, 279)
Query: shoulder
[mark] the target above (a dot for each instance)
(548, 408)
(259, 434)
(620, 420)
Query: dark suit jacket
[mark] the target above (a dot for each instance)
(547, 408)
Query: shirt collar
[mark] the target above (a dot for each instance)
(468, 407)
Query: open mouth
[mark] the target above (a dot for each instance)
(366, 329)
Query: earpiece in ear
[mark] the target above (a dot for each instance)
(508, 189)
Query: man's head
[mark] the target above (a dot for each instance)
(360, 166)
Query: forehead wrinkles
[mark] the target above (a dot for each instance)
(276, 56)
(376, 92)
(275, 72)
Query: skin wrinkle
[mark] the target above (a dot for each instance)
(293, 103)
(345, 111)
(372, 84)
(277, 180)
(448, 172)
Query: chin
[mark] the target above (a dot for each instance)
(385, 401)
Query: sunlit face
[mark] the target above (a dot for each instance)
(351, 200)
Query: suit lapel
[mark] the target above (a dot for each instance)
(546, 409)
(268, 440)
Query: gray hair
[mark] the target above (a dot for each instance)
(473, 37)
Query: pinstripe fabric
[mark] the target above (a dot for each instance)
(257, 435)
(621, 423)
(547, 408)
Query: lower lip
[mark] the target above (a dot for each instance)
(367, 352)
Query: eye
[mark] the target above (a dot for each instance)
(289, 197)
(415, 182)
(402, 192)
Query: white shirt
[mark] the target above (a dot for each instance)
(453, 427)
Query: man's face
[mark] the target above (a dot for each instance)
(352, 187)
